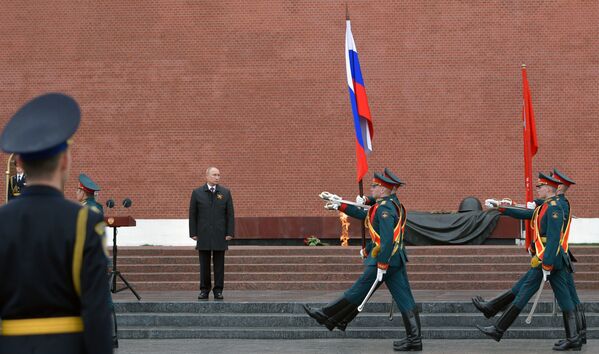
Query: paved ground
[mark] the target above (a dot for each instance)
(335, 346)
(325, 296)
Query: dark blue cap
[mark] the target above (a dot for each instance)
(557, 174)
(393, 177)
(384, 181)
(87, 184)
(544, 179)
(42, 127)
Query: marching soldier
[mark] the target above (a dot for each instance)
(491, 307)
(86, 194)
(17, 183)
(550, 262)
(385, 261)
(54, 296)
(581, 324)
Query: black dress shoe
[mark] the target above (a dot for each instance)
(203, 296)
(218, 296)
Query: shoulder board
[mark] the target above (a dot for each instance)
(94, 209)
(383, 202)
(553, 203)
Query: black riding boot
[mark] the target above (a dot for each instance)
(572, 341)
(324, 315)
(505, 321)
(580, 326)
(402, 341)
(413, 342)
(349, 314)
(492, 307)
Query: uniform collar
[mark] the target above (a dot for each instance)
(389, 197)
(90, 199)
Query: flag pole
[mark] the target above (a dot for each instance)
(360, 183)
(361, 190)
(527, 153)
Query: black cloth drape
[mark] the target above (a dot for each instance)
(468, 227)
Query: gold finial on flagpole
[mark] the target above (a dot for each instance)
(523, 65)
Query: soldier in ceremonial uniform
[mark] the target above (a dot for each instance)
(54, 296)
(581, 324)
(550, 262)
(17, 183)
(86, 194)
(385, 261)
(491, 307)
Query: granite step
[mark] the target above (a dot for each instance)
(283, 320)
(428, 307)
(498, 266)
(318, 259)
(336, 285)
(391, 332)
(338, 250)
(336, 276)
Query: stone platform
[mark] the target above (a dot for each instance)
(259, 268)
(279, 315)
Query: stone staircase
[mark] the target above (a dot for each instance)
(261, 320)
(336, 268)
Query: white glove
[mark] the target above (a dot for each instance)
(546, 274)
(360, 199)
(379, 274)
(329, 196)
(506, 201)
(531, 205)
(491, 203)
(332, 206)
(363, 253)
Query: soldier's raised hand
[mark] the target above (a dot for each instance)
(360, 199)
(332, 206)
(491, 203)
(329, 196)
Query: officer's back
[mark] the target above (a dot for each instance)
(53, 286)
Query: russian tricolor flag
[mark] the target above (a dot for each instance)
(359, 103)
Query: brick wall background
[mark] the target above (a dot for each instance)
(258, 89)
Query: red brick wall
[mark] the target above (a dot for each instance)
(258, 89)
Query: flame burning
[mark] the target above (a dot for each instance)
(344, 229)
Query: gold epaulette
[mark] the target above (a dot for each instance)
(553, 203)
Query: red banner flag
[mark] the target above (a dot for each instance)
(531, 146)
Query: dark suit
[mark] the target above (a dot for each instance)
(38, 278)
(15, 186)
(211, 218)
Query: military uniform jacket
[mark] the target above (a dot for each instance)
(383, 222)
(548, 219)
(94, 205)
(37, 240)
(211, 218)
(550, 224)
